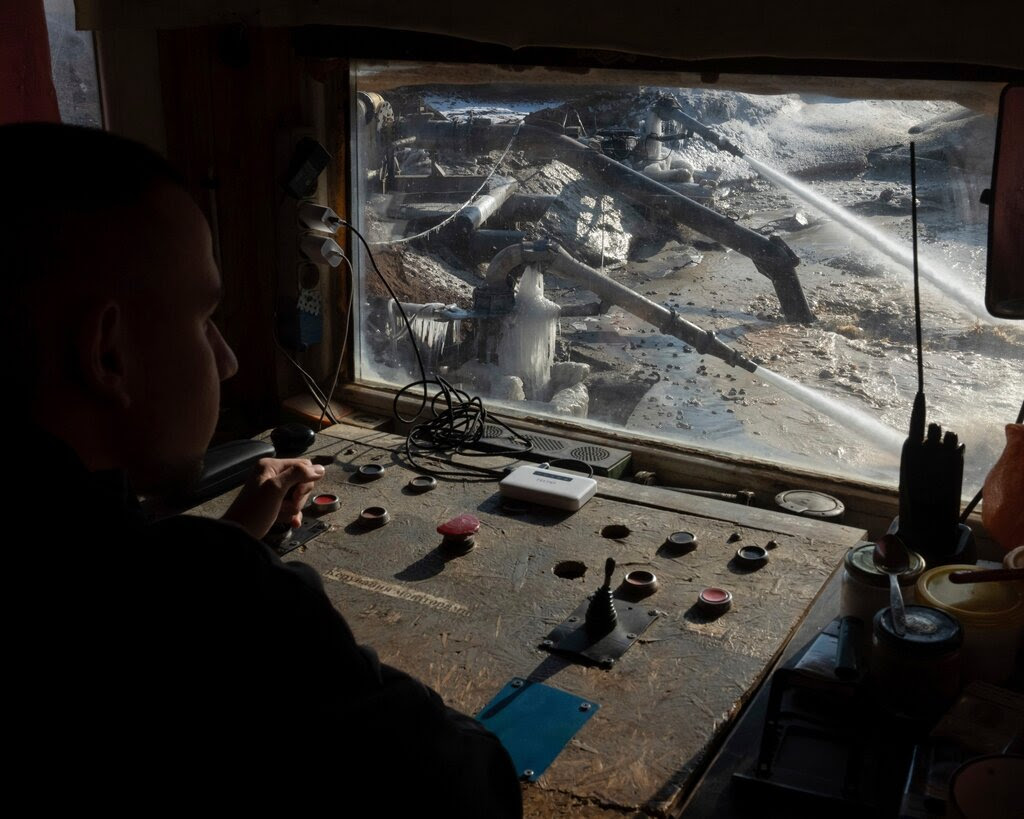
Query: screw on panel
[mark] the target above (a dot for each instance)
(606, 662)
(547, 643)
(573, 619)
(652, 612)
(528, 773)
(631, 636)
(517, 683)
(584, 706)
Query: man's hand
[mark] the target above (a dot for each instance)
(275, 492)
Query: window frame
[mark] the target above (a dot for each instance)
(868, 504)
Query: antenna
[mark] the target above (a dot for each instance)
(917, 280)
(917, 414)
(932, 466)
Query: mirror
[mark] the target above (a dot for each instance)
(1004, 285)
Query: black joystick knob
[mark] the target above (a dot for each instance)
(292, 439)
(601, 615)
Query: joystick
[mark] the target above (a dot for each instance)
(601, 615)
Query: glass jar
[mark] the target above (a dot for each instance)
(919, 674)
(865, 589)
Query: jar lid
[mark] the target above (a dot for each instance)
(930, 632)
(810, 504)
(996, 604)
(860, 563)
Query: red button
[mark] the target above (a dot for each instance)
(461, 526)
(713, 595)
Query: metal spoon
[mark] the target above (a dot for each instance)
(891, 556)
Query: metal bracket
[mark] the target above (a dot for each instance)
(298, 537)
(572, 637)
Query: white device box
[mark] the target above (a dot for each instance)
(548, 487)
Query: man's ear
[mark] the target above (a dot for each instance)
(103, 354)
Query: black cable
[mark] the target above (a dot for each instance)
(590, 469)
(970, 507)
(344, 342)
(405, 318)
(454, 429)
(314, 390)
(977, 498)
(458, 423)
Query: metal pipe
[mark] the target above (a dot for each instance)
(503, 263)
(434, 133)
(553, 255)
(668, 108)
(526, 207)
(483, 243)
(485, 206)
(369, 104)
(743, 496)
(772, 257)
(700, 218)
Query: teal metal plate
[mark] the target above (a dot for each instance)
(534, 722)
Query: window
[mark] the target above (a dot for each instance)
(775, 212)
(74, 66)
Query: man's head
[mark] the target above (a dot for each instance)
(110, 288)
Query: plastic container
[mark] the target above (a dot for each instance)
(865, 589)
(987, 787)
(992, 615)
(1002, 512)
(919, 674)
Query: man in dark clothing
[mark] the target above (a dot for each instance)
(180, 662)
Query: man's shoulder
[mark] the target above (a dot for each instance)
(193, 531)
(221, 559)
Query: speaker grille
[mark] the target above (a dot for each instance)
(544, 444)
(589, 453)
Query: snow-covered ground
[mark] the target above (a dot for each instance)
(460, 108)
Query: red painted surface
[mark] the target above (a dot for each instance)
(325, 500)
(26, 81)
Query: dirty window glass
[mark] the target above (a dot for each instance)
(74, 66)
(724, 267)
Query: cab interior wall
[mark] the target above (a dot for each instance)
(233, 132)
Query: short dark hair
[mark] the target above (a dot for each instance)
(53, 174)
(52, 179)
